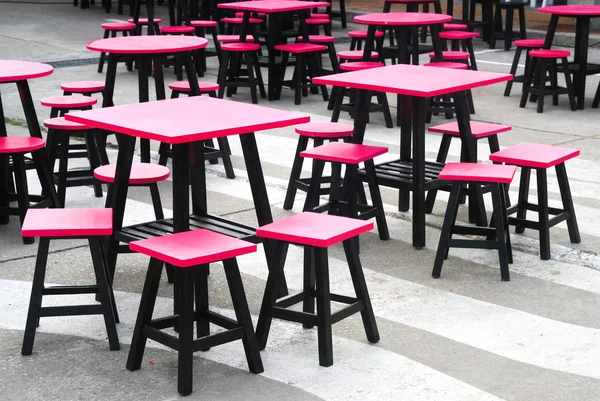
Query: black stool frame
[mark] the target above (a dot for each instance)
(535, 82)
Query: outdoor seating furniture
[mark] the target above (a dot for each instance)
(153, 28)
(60, 147)
(416, 84)
(307, 66)
(211, 153)
(59, 105)
(444, 105)
(540, 158)
(338, 93)
(341, 13)
(110, 30)
(328, 41)
(527, 45)
(413, 6)
(580, 68)
(348, 199)
(319, 133)
(355, 55)
(95, 225)
(546, 62)
(190, 253)
(201, 28)
(233, 25)
(315, 232)
(276, 11)
(358, 37)
(497, 236)
(487, 17)
(314, 25)
(176, 61)
(479, 130)
(455, 27)
(85, 88)
(230, 72)
(16, 148)
(507, 33)
(461, 40)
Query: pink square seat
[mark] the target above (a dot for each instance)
(341, 152)
(478, 172)
(140, 174)
(177, 29)
(534, 155)
(325, 130)
(68, 222)
(458, 35)
(184, 86)
(20, 144)
(192, 248)
(66, 102)
(478, 129)
(314, 229)
(318, 21)
(318, 39)
(301, 48)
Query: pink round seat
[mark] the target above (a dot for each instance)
(458, 35)
(203, 23)
(363, 34)
(355, 55)
(320, 15)
(177, 30)
(20, 144)
(318, 21)
(141, 173)
(183, 86)
(301, 48)
(236, 20)
(66, 102)
(530, 43)
(118, 26)
(325, 130)
(478, 172)
(478, 129)
(447, 64)
(318, 39)
(241, 47)
(456, 27)
(83, 86)
(144, 21)
(233, 38)
(550, 53)
(61, 124)
(360, 65)
(452, 55)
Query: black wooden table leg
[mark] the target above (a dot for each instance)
(581, 53)
(109, 86)
(406, 121)
(418, 129)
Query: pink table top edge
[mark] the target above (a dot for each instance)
(271, 6)
(189, 119)
(575, 10)
(402, 18)
(16, 70)
(413, 80)
(147, 44)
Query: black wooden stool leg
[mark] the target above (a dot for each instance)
(384, 233)
(569, 85)
(275, 279)
(35, 302)
(387, 115)
(529, 78)
(360, 288)
(308, 303)
(223, 71)
(567, 201)
(542, 69)
(544, 226)
(202, 301)
(441, 158)
(553, 69)
(93, 160)
(504, 205)
(253, 82)
(337, 105)
(508, 32)
(499, 217)
(523, 198)
(102, 55)
(224, 147)
(295, 173)
(240, 305)
(185, 325)
(22, 190)
(156, 202)
(144, 316)
(324, 322)
(258, 75)
(513, 70)
(105, 293)
(446, 234)
(312, 196)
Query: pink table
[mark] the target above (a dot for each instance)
(580, 67)
(405, 26)
(416, 85)
(275, 9)
(169, 121)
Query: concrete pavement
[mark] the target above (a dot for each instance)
(465, 337)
